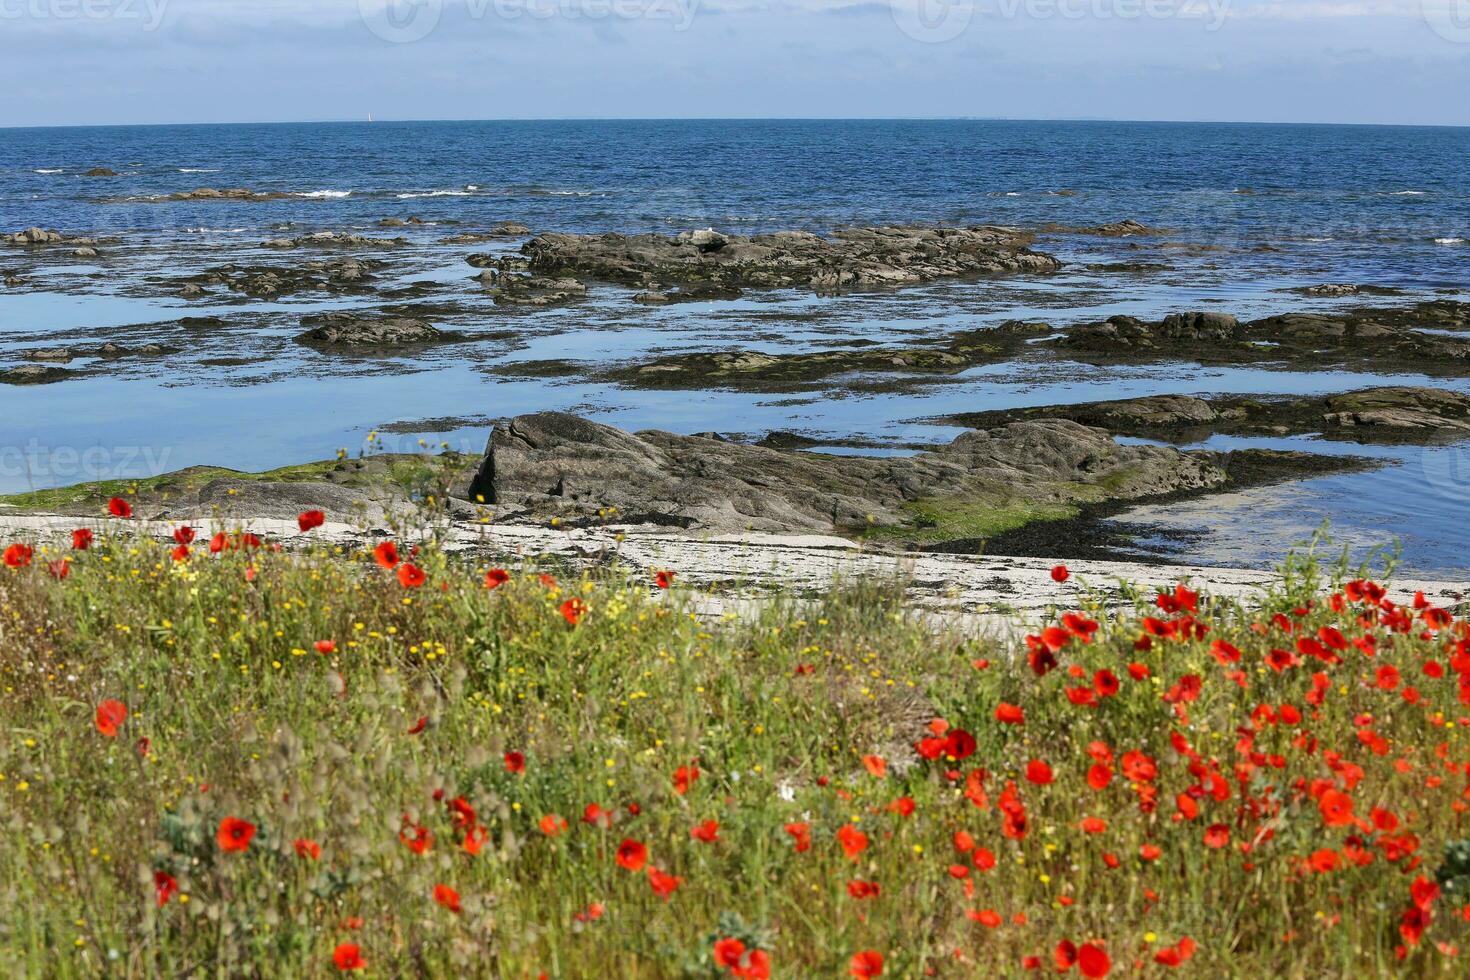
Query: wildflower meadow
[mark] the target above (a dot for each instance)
(223, 755)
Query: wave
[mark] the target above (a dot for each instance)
(1449, 241)
(412, 194)
(321, 194)
(1407, 193)
(197, 170)
(216, 231)
(43, 170)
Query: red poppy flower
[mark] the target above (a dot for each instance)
(325, 647)
(801, 835)
(866, 964)
(415, 837)
(184, 534)
(1038, 772)
(18, 555)
(447, 897)
(1336, 808)
(165, 886)
(959, 745)
(119, 507)
(411, 576)
(348, 956)
(306, 848)
(1010, 714)
(1099, 776)
(707, 832)
(234, 834)
(684, 777)
(309, 519)
(729, 952)
(1059, 573)
(81, 539)
(983, 858)
(181, 553)
(496, 577)
(1093, 961)
(110, 716)
(632, 854)
(515, 762)
(386, 554)
(420, 725)
(876, 765)
(1172, 956)
(664, 885)
(853, 841)
(663, 579)
(573, 610)
(1093, 825)
(1150, 852)
(1217, 835)
(1105, 682)
(552, 825)
(863, 889)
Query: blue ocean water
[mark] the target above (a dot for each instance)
(1253, 211)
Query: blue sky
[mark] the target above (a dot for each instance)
(140, 61)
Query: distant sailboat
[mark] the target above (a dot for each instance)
(370, 117)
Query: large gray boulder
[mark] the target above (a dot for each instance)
(554, 464)
(852, 258)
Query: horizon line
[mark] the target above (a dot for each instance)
(616, 119)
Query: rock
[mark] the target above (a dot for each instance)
(36, 236)
(761, 371)
(356, 330)
(1376, 415)
(1401, 408)
(1114, 229)
(346, 274)
(261, 498)
(1335, 289)
(333, 239)
(706, 240)
(1422, 335)
(100, 172)
(516, 289)
(557, 464)
(191, 291)
(853, 258)
(85, 253)
(692, 293)
(33, 374)
(222, 194)
(51, 355)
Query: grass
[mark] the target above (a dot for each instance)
(942, 519)
(1328, 790)
(406, 472)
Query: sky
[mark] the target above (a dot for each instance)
(82, 62)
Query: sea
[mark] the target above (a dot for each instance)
(1253, 213)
